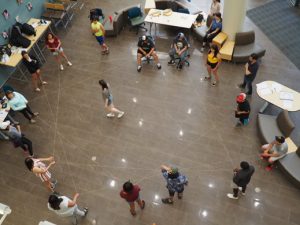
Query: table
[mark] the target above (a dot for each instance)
(16, 57)
(3, 115)
(175, 19)
(149, 4)
(279, 95)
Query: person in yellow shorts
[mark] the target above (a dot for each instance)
(99, 32)
(213, 62)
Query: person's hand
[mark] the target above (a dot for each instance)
(76, 195)
(52, 163)
(51, 158)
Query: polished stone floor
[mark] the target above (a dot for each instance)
(172, 117)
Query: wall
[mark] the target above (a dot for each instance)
(15, 9)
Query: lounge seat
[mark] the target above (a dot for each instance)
(281, 125)
(244, 46)
(200, 32)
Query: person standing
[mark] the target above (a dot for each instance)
(175, 183)
(108, 100)
(34, 67)
(214, 29)
(66, 207)
(99, 32)
(241, 178)
(131, 193)
(251, 68)
(212, 64)
(215, 7)
(38, 167)
(18, 102)
(54, 45)
(243, 110)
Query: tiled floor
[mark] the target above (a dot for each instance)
(171, 117)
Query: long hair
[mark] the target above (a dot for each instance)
(215, 48)
(29, 163)
(54, 201)
(103, 84)
(46, 37)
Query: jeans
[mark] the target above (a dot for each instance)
(28, 114)
(174, 55)
(78, 212)
(248, 82)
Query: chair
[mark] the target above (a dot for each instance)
(136, 18)
(97, 13)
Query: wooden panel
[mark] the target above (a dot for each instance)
(227, 50)
(220, 39)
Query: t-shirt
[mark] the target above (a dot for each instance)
(106, 94)
(97, 26)
(175, 184)
(133, 195)
(53, 44)
(252, 69)
(243, 177)
(64, 210)
(180, 43)
(245, 107)
(215, 25)
(215, 8)
(280, 149)
(146, 45)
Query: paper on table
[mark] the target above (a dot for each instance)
(261, 85)
(265, 91)
(276, 87)
(286, 95)
(3, 114)
(287, 104)
(34, 25)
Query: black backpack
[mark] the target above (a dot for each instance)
(5, 49)
(28, 29)
(16, 37)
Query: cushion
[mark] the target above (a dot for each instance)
(134, 12)
(268, 128)
(285, 124)
(137, 21)
(291, 166)
(244, 38)
(241, 53)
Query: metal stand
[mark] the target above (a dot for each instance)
(264, 107)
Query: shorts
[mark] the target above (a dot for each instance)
(100, 39)
(172, 193)
(212, 65)
(137, 199)
(273, 158)
(110, 100)
(55, 53)
(139, 52)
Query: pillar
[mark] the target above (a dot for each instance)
(233, 17)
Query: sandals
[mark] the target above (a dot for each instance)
(167, 201)
(133, 213)
(143, 204)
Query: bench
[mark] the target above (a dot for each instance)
(220, 39)
(281, 125)
(227, 50)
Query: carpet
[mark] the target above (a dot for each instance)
(281, 24)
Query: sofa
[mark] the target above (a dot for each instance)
(244, 46)
(281, 125)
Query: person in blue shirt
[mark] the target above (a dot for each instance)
(214, 29)
(175, 183)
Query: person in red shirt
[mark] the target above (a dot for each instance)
(131, 194)
(54, 45)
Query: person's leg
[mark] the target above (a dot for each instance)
(25, 114)
(235, 192)
(243, 85)
(139, 59)
(132, 208)
(39, 75)
(28, 143)
(79, 212)
(28, 109)
(244, 189)
(141, 203)
(249, 86)
(205, 39)
(49, 185)
(208, 67)
(172, 53)
(180, 194)
(216, 76)
(113, 110)
(35, 82)
(155, 57)
(11, 119)
(169, 200)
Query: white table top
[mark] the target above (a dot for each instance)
(175, 19)
(3, 112)
(150, 4)
(279, 95)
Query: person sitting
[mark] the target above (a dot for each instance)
(179, 49)
(274, 151)
(243, 110)
(146, 48)
(214, 29)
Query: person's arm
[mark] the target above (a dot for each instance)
(149, 54)
(102, 29)
(215, 31)
(39, 170)
(49, 159)
(73, 201)
(18, 128)
(182, 50)
(247, 71)
(219, 62)
(59, 44)
(142, 50)
(166, 168)
(269, 148)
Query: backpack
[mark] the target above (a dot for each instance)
(16, 37)
(28, 29)
(199, 18)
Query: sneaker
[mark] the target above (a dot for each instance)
(110, 115)
(214, 84)
(69, 63)
(37, 90)
(139, 68)
(143, 205)
(120, 114)
(133, 213)
(172, 62)
(243, 193)
(238, 124)
(202, 49)
(61, 67)
(85, 210)
(44, 83)
(179, 67)
(229, 195)
(249, 94)
(32, 121)
(158, 66)
(36, 113)
(107, 51)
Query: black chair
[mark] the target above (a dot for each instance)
(136, 19)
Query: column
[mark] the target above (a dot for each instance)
(233, 17)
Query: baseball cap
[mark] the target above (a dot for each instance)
(241, 97)
(144, 37)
